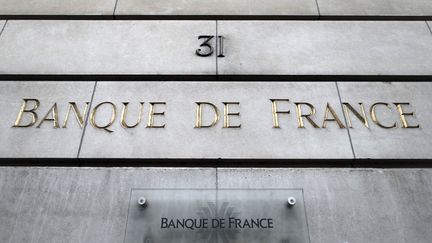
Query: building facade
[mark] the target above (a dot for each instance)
(215, 121)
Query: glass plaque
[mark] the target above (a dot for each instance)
(216, 216)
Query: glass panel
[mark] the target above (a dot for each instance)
(216, 216)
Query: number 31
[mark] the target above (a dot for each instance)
(206, 49)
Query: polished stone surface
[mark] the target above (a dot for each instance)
(216, 7)
(376, 7)
(394, 143)
(325, 48)
(256, 139)
(352, 205)
(57, 7)
(43, 142)
(80, 204)
(104, 47)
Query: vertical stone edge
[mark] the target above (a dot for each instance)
(217, 49)
(2, 27)
(115, 8)
(318, 9)
(86, 121)
(429, 26)
(345, 120)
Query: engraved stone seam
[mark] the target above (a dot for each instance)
(86, 120)
(345, 118)
(3, 28)
(216, 56)
(318, 9)
(429, 27)
(115, 8)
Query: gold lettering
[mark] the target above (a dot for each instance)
(124, 113)
(335, 117)
(198, 117)
(403, 115)
(374, 117)
(300, 114)
(53, 111)
(275, 111)
(362, 117)
(113, 116)
(80, 118)
(227, 114)
(24, 109)
(152, 113)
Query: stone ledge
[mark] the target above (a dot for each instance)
(256, 139)
(396, 142)
(250, 48)
(57, 7)
(80, 204)
(352, 205)
(375, 7)
(277, 8)
(91, 204)
(217, 8)
(325, 48)
(18, 142)
(115, 138)
(105, 47)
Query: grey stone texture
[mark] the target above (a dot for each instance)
(251, 47)
(2, 26)
(217, 7)
(46, 141)
(104, 47)
(57, 7)
(80, 204)
(325, 48)
(213, 7)
(352, 205)
(256, 139)
(394, 143)
(91, 204)
(375, 7)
